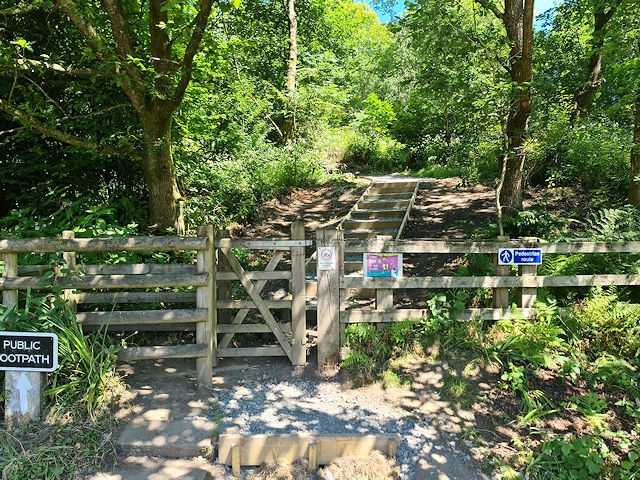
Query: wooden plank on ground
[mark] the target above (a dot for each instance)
(258, 449)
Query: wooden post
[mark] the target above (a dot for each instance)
(527, 296)
(224, 286)
(392, 447)
(23, 390)
(70, 264)
(206, 298)
(10, 297)
(299, 297)
(500, 295)
(329, 270)
(313, 456)
(235, 461)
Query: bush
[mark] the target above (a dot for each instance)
(607, 325)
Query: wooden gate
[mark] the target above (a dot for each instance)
(288, 326)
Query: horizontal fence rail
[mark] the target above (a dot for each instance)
(334, 284)
(194, 296)
(106, 289)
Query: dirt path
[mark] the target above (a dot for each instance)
(443, 209)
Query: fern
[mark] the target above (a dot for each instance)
(611, 224)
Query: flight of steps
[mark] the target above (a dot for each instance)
(383, 209)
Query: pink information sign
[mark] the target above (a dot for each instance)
(382, 264)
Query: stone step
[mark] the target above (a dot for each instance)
(149, 468)
(372, 223)
(174, 438)
(377, 213)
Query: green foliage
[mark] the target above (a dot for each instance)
(534, 223)
(459, 390)
(593, 156)
(56, 211)
(86, 379)
(570, 459)
(60, 449)
(373, 152)
(614, 224)
(607, 325)
(539, 341)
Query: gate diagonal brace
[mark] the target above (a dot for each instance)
(259, 286)
(257, 299)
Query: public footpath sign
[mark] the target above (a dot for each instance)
(520, 256)
(28, 351)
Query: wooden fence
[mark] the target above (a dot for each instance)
(106, 294)
(334, 284)
(124, 284)
(112, 295)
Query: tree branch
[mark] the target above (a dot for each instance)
(120, 29)
(22, 10)
(27, 63)
(192, 48)
(491, 7)
(87, 30)
(60, 135)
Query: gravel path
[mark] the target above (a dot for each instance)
(293, 405)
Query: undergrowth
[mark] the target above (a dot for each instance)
(75, 436)
(593, 346)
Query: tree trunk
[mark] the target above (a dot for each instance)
(289, 130)
(518, 22)
(165, 200)
(586, 94)
(634, 178)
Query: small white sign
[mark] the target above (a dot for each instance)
(326, 258)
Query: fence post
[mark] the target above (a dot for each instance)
(384, 296)
(500, 295)
(70, 264)
(10, 297)
(527, 296)
(298, 297)
(206, 298)
(329, 270)
(223, 286)
(23, 390)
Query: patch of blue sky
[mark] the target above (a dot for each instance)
(386, 11)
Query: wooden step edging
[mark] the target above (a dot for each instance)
(250, 450)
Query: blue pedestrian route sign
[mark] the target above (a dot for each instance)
(520, 256)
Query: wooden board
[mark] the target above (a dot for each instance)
(257, 449)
